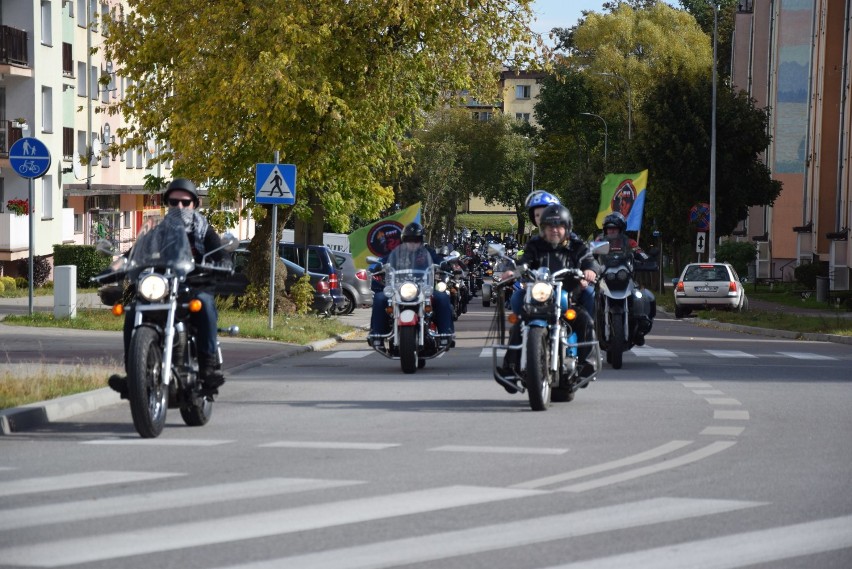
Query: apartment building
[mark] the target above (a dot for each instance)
(793, 56)
(52, 86)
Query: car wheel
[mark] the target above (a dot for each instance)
(680, 312)
(348, 305)
(744, 304)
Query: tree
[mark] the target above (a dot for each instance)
(333, 85)
(702, 10)
(675, 145)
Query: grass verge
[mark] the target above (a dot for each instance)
(20, 385)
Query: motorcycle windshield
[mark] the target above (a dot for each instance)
(415, 265)
(166, 246)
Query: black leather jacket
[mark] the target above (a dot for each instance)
(572, 253)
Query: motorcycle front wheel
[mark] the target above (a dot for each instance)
(198, 412)
(538, 370)
(408, 348)
(617, 343)
(147, 390)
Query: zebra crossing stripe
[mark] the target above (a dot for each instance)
(729, 354)
(81, 480)
(627, 461)
(653, 352)
(155, 501)
(348, 354)
(159, 442)
(806, 356)
(688, 458)
(733, 551)
(504, 535)
(140, 541)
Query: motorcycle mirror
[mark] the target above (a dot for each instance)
(599, 247)
(230, 243)
(452, 256)
(373, 259)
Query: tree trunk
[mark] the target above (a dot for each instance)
(310, 231)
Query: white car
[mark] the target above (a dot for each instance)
(709, 285)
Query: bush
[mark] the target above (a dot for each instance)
(807, 273)
(21, 282)
(8, 283)
(41, 270)
(2, 286)
(738, 253)
(302, 294)
(86, 258)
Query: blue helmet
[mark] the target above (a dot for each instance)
(539, 198)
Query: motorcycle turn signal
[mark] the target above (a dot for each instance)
(194, 305)
(118, 309)
(570, 314)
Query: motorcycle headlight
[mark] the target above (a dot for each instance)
(388, 291)
(623, 275)
(441, 287)
(152, 287)
(408, 292)
(541, 291)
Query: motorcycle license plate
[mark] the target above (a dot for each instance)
(706, 289)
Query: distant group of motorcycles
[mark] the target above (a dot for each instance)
(549, 365)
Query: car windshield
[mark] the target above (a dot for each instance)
(706, 273)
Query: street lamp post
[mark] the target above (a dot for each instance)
(606, 131)
(629, 102)
(712, 242)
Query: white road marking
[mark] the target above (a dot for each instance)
(329, 445)
(653, 352)
(409, 551)
(139, 541)
(722, 401)
(724, 431)
(806, 356)
(708, 392)
(159, 442)
(731, 415)
(499, 450)
(696, 385)
(729, 354)
(349, 354)
(733, 551)
(668, 464)
(81, 480)
(65, 512)
(581, 472)
(672, 371)
(486, 352)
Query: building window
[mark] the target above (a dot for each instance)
(67, 143)
(46, 27)
(47, 197)
(78, 223)
(125, 219)
(67, 60)
(525, 117)
(522, 91)
(107, 140)
(81, 13)
(47, 109)
(93, 79)
(483, 116)
(81, 79)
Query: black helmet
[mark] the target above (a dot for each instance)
(412, 232)
(556, 214)
(181, 184)
(615, 219)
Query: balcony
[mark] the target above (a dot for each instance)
(14, 232)
(9, 135)
(13, 47)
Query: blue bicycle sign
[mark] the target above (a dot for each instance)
(29, 157)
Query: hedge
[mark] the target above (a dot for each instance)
(86, 258)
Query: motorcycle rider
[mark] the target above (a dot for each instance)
(557, 248)
(412, 242)
(182, 200)
(614, 231)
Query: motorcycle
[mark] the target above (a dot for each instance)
(162, 360)
(623, 311)
(409, 288)
(549, 367)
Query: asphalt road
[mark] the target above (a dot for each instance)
(708, 449)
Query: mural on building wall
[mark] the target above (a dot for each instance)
(795, 30)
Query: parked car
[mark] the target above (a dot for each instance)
(236, 284)
(354, 282)
(319, 260)
(709, 285)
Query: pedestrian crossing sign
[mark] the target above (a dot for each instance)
(275, 184)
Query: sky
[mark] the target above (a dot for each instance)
(565, 13)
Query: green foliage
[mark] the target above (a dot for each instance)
(41, 270)
(21, 282)
(336, 87)
(807, 273)
(302, 294)
(2, 286)
(485, 222)
(86, 258)
(9, 283)
(737, 253)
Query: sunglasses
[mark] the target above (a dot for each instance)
(174, 202)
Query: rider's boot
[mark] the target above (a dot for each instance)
(118, 383)
(210, 372)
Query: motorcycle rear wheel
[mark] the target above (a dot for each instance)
(538, 372)
(147, 389)
(408, 348)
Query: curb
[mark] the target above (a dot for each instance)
(35, 415)
(807, 336)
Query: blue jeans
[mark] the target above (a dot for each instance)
(442, 314)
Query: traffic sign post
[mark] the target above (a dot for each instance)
(275, 184)
(30, 158)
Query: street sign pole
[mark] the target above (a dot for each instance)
(272, 256)
(32, 246)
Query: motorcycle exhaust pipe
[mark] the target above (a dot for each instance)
(230, 330)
